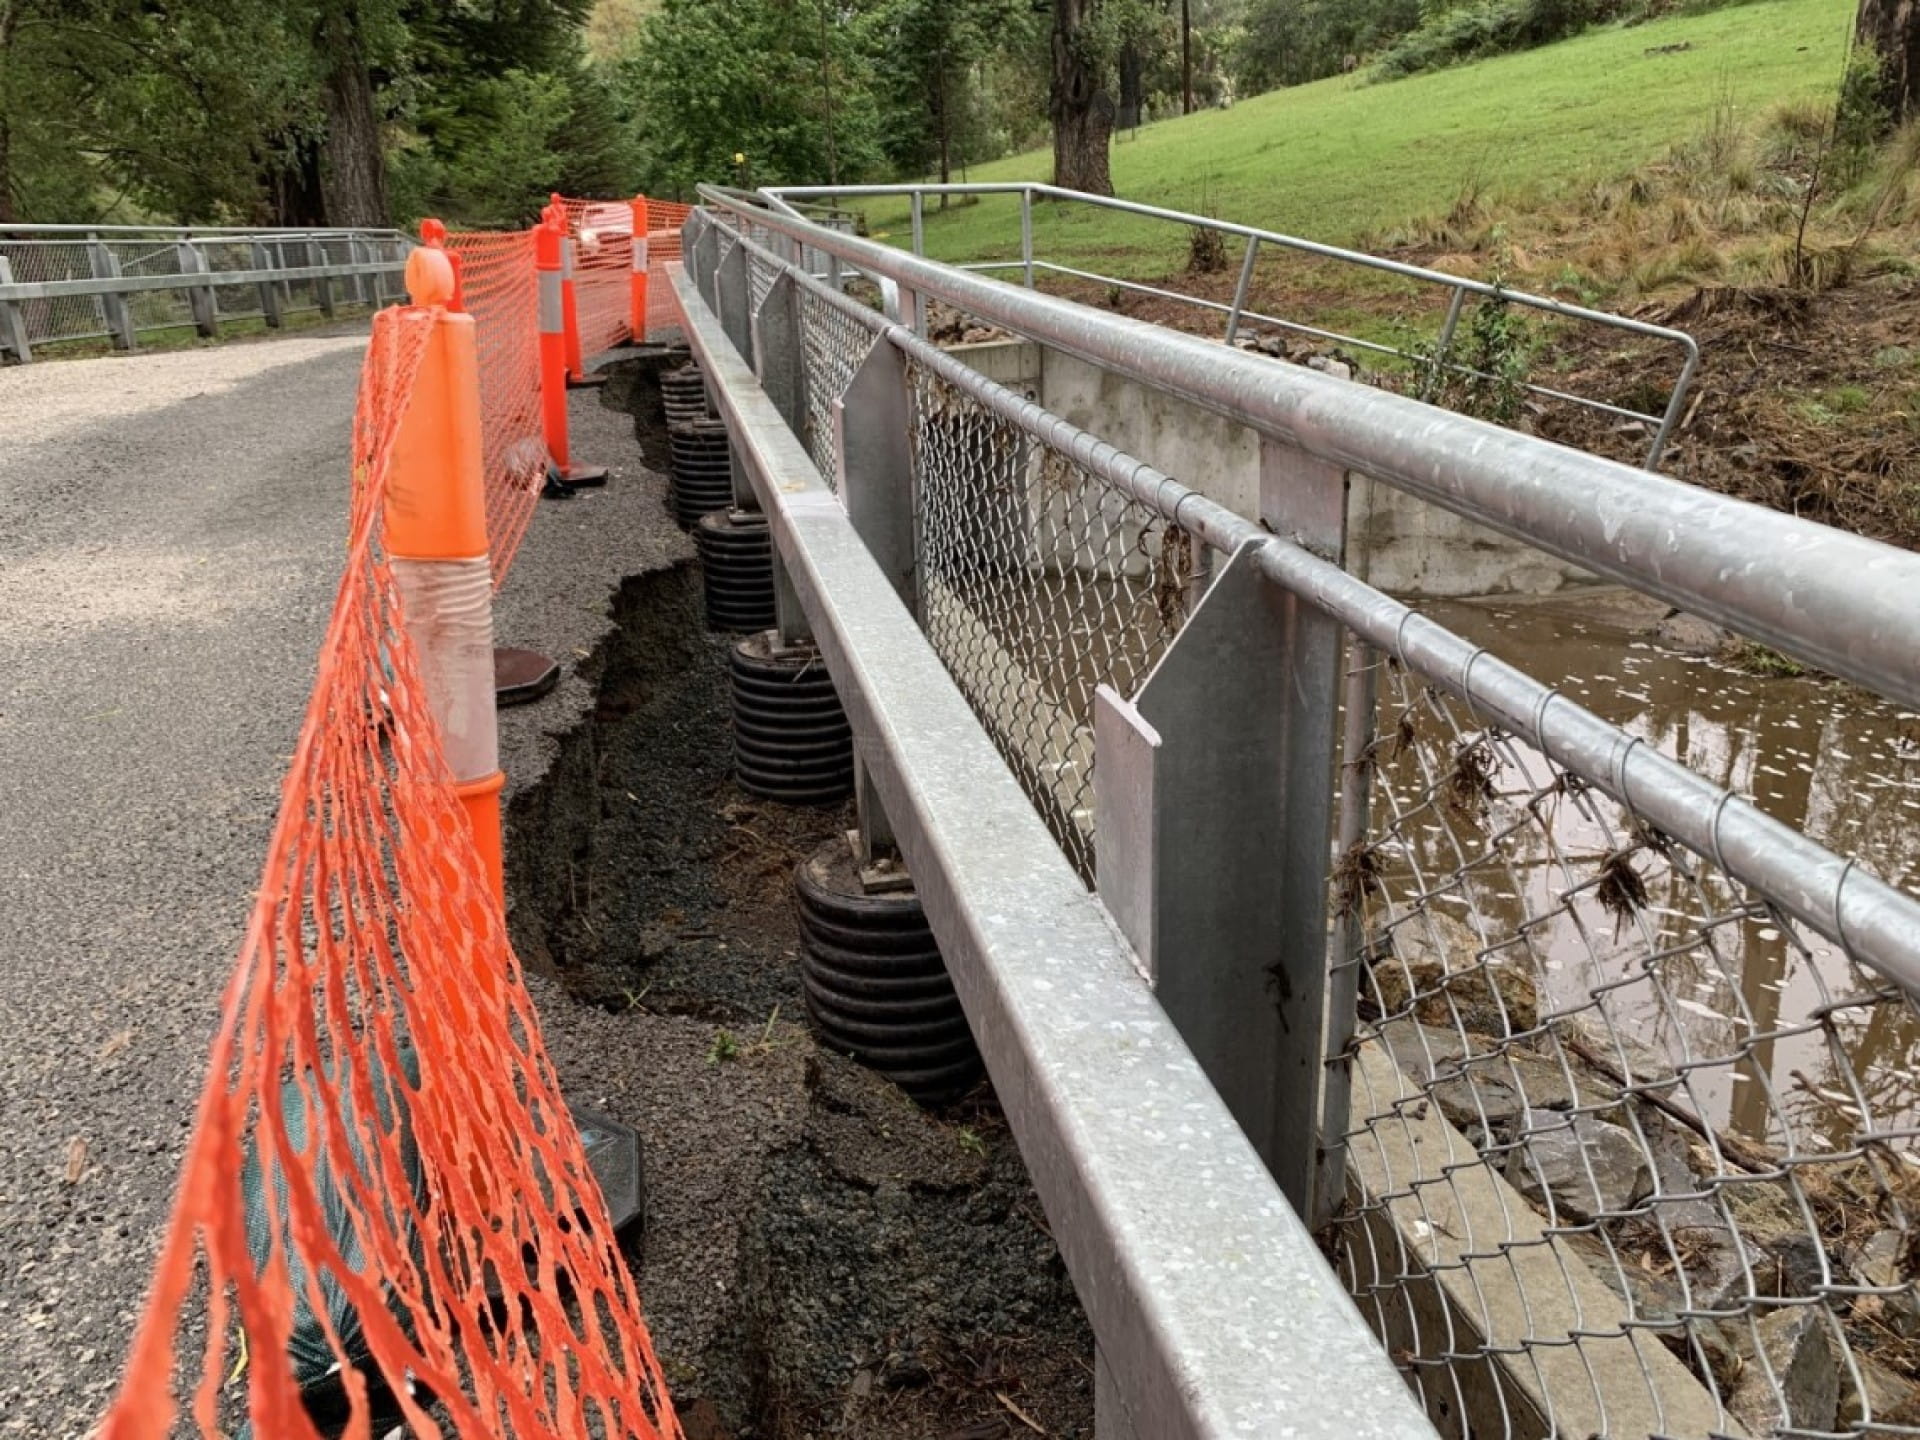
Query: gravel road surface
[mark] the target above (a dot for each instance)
(171, 528)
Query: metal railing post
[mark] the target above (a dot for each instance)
(269, 289)
(778, 358)
(322, 287)
(873, 442)
(733, 295)
(1026, 234)
(873, 448)
(769, 340)
(1240, 290)
(13, 323)
(206, 310)
(1191, 824)
(919, 320)
(1443, 346)
(105, 265)
(1671, 416)
(1213, 791)
(1305, 500)
(733, 290)
(1348, 930)
(705, 257)
(356, 284)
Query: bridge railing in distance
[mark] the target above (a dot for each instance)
(61, 284)
(386, 1216)
(1442, 360)
(1592, 1079)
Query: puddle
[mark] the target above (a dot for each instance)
(1767, 1022)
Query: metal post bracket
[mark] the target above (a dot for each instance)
(872, 423)
(1191, 818)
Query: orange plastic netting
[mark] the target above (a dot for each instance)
(665, 218)
(602, 235)
(500, 289)
(379, 1071)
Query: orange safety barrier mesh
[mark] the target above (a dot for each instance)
(500, 289)
(664, 221)
(380, 1063)
(602, 234)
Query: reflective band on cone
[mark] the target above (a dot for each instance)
(637, 297)
(548, 259)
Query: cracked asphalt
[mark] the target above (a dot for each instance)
(171, 527)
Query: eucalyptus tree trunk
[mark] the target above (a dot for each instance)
(1078, 102)
(1892, 28)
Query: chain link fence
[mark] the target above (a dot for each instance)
(1039, 582)
(1617, 1145)
(1626, 1142)
(834, 344)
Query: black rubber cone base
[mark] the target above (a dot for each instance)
(586, 382)
(522, 676)
(613, 1154)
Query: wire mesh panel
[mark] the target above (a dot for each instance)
(761, 272)
(835, 343)
(67, 317)
(1630, 1152)
(1038, 583)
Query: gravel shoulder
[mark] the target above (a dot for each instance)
(171, 528)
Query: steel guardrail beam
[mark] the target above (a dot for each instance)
(27, 232)
(1837, 601)
(1215, 1312)
(198, 280)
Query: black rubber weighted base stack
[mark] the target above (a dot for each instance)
(702, 470)
(736, 564)
(876, 987)
(683, 394)
(791, 740)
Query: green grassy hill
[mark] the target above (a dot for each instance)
(1343, 157)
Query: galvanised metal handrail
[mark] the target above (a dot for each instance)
(1010, 964)
(1839, 602)
(1823, 890)
(204, 232)
(1458, 286)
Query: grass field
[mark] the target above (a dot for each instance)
(1341, 158)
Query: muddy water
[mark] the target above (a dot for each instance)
(1765, 1021)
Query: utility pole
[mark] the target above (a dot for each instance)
(826, 86)
(1186, 57)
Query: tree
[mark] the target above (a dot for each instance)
(708, 79)
(926, 51)
(353, 172)
(1078, 102)
(1892, 29)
